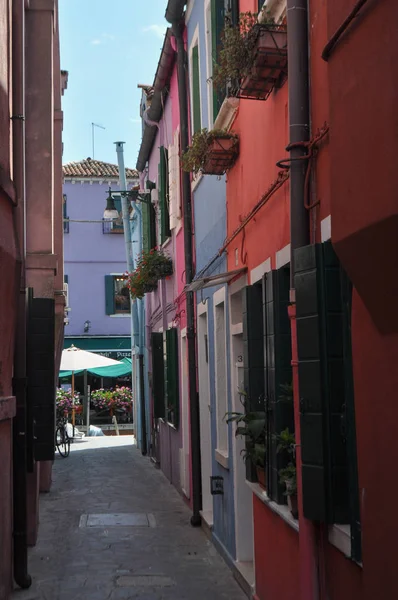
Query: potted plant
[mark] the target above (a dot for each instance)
(286, 444)
(156, 264)
(251, 426)
(211, 152)
(288, 477)
(253, 57)
(64, 402)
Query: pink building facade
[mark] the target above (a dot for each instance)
(31, 263)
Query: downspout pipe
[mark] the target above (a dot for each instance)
(174, 14)
(21, 575)
(299, 131)
(136, 305)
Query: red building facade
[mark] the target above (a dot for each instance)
(339, 290)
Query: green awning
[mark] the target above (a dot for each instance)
(112, 371)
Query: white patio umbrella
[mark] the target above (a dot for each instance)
(73, 359)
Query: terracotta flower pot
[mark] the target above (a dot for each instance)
(221, 155)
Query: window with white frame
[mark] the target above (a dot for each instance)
(194, 67)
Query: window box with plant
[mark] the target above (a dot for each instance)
(288, 475)
(211, 152)
(152, 265)
(252, 60)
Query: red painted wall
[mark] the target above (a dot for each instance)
(276, 548)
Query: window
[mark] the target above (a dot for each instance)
(117, 295)
(327, 411)
(221, 373)
(165, 377)
(267, 368)
(217, 25)
(196, 117)
(148, 224)
(115, 226)
(163, 188)
(174, 181)
(65, 213)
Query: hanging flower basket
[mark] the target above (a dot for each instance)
(151, 266)
(211, 152)
(252, 60)
(268, 68)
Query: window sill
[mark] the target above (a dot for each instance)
(122, 315)
(279, 509)
(221, 457)
(166, 242)
(340, 538)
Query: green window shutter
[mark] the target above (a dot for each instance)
(145, 219)
(158, 375)
(278, 372)
(322, 380)
(196, 90)
(164, 195)
(151, 226)
(235, 11)
(253, 354)
(172, 380)
(40, 353)
(109, 295)
(260, 4)
(217, 24)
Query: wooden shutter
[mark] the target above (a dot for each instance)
(109, 295)
(172, 380)
(217, 24)
(163, 196)
(158, 375)
(235, 11)
(40, 353)
(174, 181)
(322, 384)
(196, 89)
(253, 354)
(145, 228)
(278, 371)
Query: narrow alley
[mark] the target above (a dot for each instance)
(113, 528)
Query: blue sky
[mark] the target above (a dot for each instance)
(108, 48)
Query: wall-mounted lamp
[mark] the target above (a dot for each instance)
(110, 211)
(87, 326)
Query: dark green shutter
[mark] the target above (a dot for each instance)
(322, 384)
(217, 25)
(40, 368)
(109, 295)
(164, 196)
(278, 372)
(66, 278)
(260, 4)
(151, 226)
(196, 89)
(172, 380)
(158, 375)
(253, 353)
(145, 219)
(235, 11)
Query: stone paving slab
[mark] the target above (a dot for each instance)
(140, 545)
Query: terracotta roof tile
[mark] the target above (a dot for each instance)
(95, 168)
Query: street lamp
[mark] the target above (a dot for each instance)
(110, 211)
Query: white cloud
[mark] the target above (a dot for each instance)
(108, 36)
(95, 42)
(158, 30)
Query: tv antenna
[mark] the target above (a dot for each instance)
(92, 134)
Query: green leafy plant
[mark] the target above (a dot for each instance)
(251, 426)
(286, 442)
(235, 56)
(195, 157)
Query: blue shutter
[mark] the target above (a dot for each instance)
(109, 295)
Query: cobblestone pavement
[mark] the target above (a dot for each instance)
(139, 544)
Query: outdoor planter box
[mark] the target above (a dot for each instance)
(221, 155)
(269, 65)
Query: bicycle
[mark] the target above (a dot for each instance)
(62, 439)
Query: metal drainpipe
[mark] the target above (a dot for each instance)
(188, 236)
(299, 131)
(21, 575)
(136, 306)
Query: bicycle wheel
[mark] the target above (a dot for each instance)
(62, 442)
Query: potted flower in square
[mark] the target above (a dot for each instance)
(156, 263)
(252, 60)
(211, 152)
